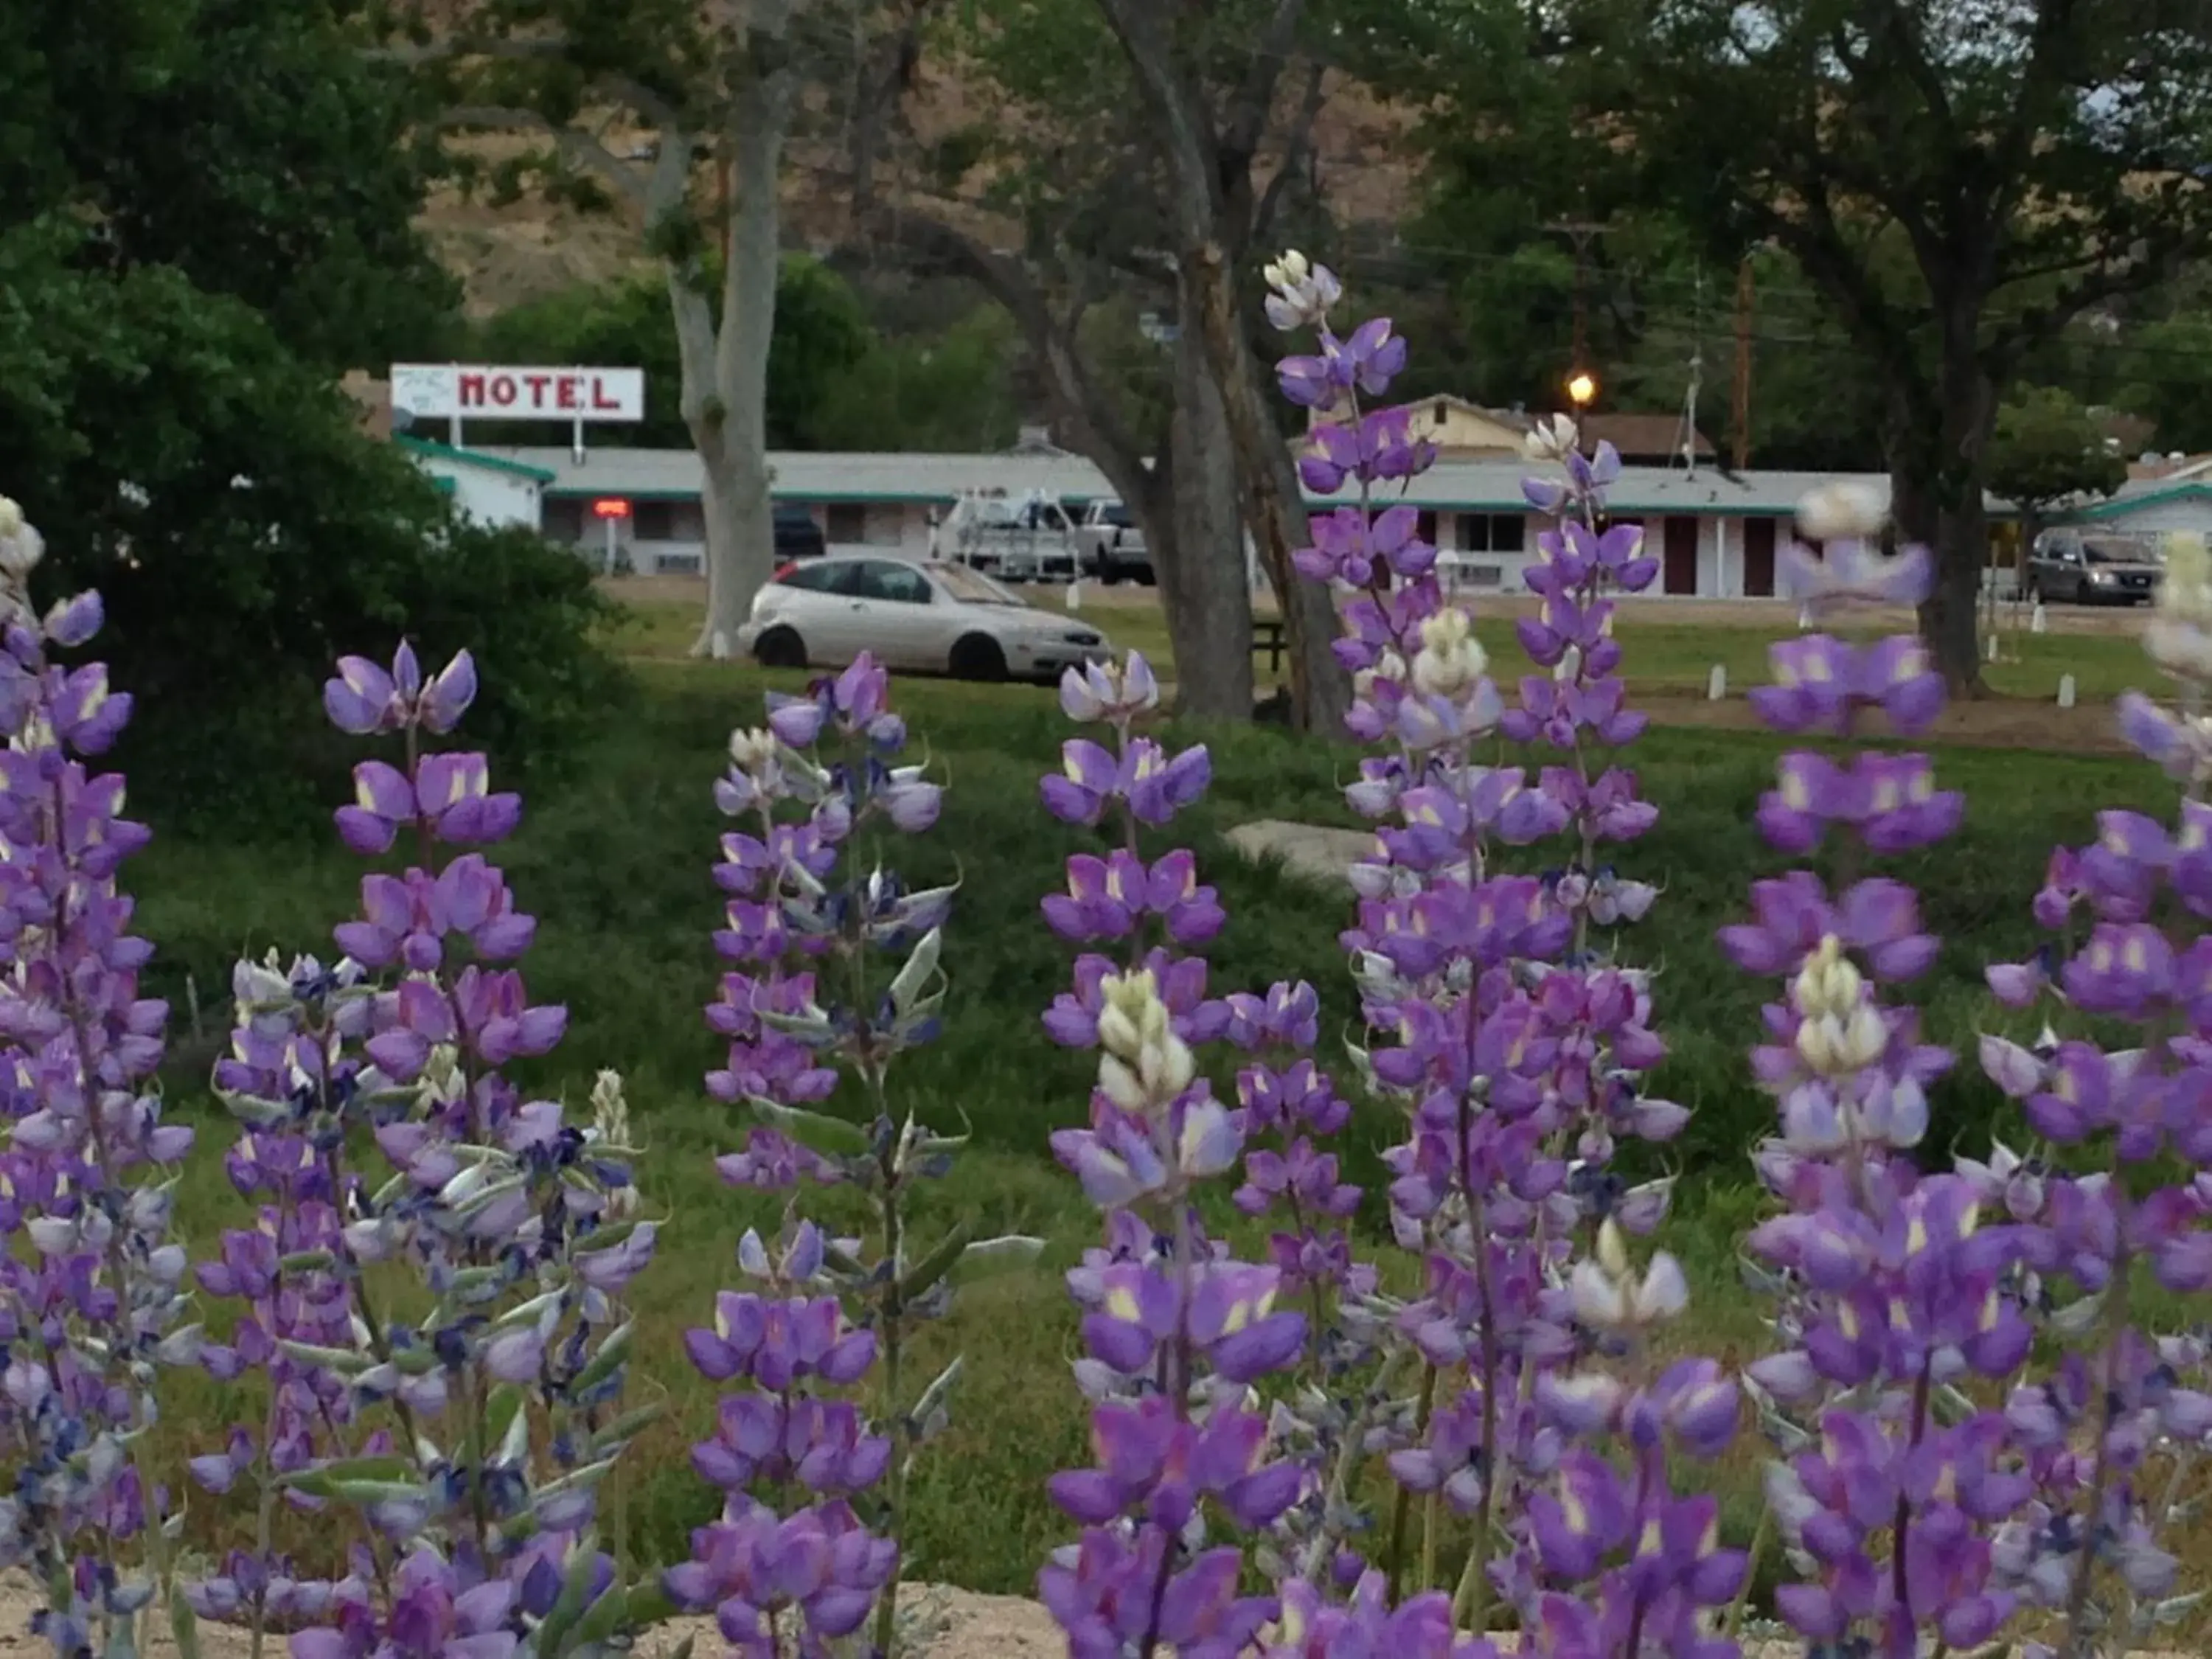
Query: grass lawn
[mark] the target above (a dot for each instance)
(614, 863)
(1661, 655)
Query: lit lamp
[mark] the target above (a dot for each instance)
(1582, 387)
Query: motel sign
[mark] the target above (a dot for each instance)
(454, 392)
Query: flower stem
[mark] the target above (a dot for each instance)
(2112, 1323)
(1758, 1538)
(892, 1315)
(1402, 1511)
(1349, 1453)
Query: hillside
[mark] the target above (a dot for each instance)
(519, 250)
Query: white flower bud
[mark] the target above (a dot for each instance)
(1816, 1044)
(751, 749)
(1842, 512)
(610, 1109)
(1553, 438)
(1865, 1036)
(1450, 658)
(1119, 1084)
(11, 517)
(1598, 1299)
(1663, 1293)
(1118, 1033)
(1165, 1068)
(1611, 1249)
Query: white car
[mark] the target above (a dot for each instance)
(928, 616)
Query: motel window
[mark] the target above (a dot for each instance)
(848, 523)
(561, 520)
(1493, 533)
(654, 521)
(1425, 528)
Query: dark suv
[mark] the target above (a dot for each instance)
(2065, 564)
(797, 535)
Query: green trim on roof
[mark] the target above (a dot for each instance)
(443, 486)
(471, 458)
(2120, 506)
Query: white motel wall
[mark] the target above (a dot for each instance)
(490, 490)
(1715, 534)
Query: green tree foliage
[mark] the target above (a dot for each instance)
(835, 381)
(2167, 368)
(1960, 181)
(170, 313)
(949, 394)
(2048, 447)
(246, 143)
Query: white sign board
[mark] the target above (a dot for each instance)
(457, 392)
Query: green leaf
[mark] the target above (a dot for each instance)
(507, 1425)
(649, 1604)
(183, 1623)
(940, 1386)
(988, 1257)
(324, 1480)
(525, 1313)
(934, 1266)
(929, 1143)
(333, 1359)
(608, 1614)
(628, 1425)
(376, 1491)
(834, 1137)
(568, 1605)
(919, 966)
(611, 1353)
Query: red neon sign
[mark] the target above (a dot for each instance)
(612, 509)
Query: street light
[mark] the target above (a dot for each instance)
(1582, 387)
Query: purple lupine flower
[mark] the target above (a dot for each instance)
(94, 1289)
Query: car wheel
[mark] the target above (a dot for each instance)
(1147, 577)
(978, 657)
(780, 648)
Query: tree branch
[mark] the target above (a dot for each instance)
(1295, 144)
(1095, 427)
(1254, 101)
(576, 146)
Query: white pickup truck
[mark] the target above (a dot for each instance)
(1111, 547)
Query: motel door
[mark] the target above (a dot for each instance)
(1758, 558)
(1681, 567)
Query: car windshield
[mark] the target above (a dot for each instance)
(2115, 553)
(970, 587)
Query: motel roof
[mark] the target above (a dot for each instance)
(484, 460)
(2137, 494)
(1466, 486)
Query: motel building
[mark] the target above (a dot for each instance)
(1715, 531)
(1714, 535)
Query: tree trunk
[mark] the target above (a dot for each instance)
(1274, 502)
(1939, 463)
(731, 425)
(1203, 583)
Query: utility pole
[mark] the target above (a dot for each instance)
(1580, 232)
(1686, 430)
(1740, 416)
